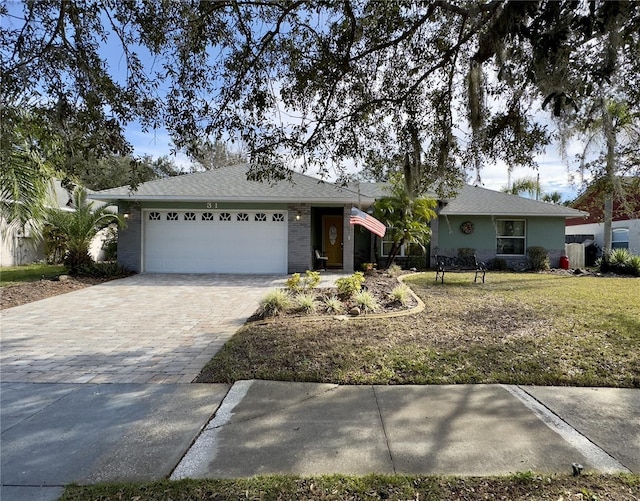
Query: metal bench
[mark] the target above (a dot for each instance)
(460, 263)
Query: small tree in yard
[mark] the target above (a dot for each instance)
(406, 217)
(79, 227)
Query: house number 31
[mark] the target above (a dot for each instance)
(212, 205)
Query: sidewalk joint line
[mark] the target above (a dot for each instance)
(599, 458)
(197, 436)
(384, 430)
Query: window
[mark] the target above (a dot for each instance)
(189, 216)
(225, 216)
(511, 237)
(278, 218)
(260, 217)
(207, 216)
(172, 216)
(620, 238)
(406, 250)
(242, 216)
(154, 216)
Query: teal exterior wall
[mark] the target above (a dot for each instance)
(547, 232)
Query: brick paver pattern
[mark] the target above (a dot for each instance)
(141, 329)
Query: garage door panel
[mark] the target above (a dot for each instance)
(257, 244)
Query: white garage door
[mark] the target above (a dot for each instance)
(232, 241)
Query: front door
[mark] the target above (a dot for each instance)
(332, 240)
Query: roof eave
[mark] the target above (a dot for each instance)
(515, 214)
(278, 200)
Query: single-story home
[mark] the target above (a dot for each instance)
(219, 222)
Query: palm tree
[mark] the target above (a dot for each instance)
(614, 129)
(407, 218)
(554, 197)
(26, 172)
(529, 185)
(80, 226)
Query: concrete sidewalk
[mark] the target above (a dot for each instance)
(55, 434)
(310, 429)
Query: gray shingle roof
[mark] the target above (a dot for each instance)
(473, 200)
(231, 184)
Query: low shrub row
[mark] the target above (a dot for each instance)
(620, 261)
(301, 296)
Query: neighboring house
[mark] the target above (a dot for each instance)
(219, 222)
(500, 225)
(20, 245)
(625, 226)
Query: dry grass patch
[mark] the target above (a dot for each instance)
(517, 328)
(520, 486)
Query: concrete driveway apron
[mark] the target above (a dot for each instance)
(142, 329)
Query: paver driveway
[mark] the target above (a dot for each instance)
(142, 329)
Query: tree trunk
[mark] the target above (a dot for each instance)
(610, 170)
(395, 248)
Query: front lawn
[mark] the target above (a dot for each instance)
(542, 329)
(29, 273)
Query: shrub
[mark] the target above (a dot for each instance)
(466, 252)
(394, 270)
(634, 265)
(348, 286)
(366, 301)
(619, 261)
(275, 302)
(306, 302)
(368, 268)
(619, 257)
(311, 279)
(103, 269)
(333, 305)
(497, 264)
(110, 244)
(296, 283)
(293, 282)
(400, 294)
(538, 258)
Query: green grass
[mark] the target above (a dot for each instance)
(519, 486)
(29, 273)
(540, 329)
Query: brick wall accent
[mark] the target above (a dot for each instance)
(299, 239)
(130, 239)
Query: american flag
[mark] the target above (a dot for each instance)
(369, 222)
